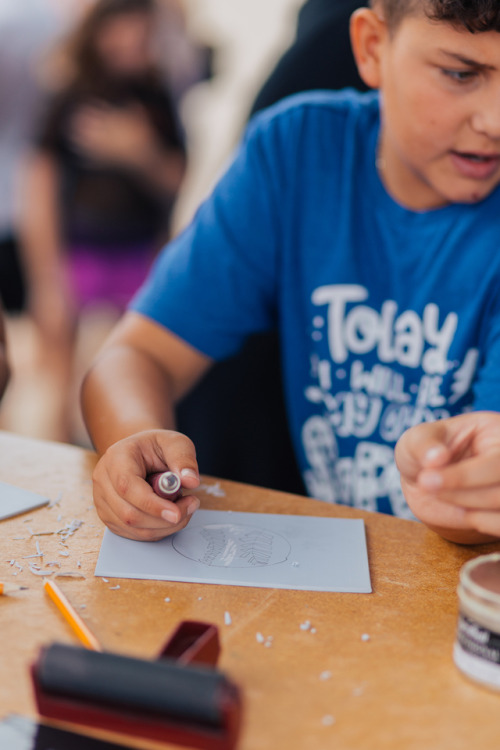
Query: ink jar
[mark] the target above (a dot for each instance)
(477, 647)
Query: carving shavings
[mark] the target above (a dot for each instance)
(267, 642)
(213, 489)
(56, 500)
(70, 529)
(40, 572)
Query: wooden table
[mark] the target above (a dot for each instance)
(399, 690)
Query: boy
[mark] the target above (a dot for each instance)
(369, 233)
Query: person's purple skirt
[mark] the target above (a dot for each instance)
(98, 276)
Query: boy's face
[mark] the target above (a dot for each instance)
(440, 138)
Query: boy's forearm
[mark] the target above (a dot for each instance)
(125, 392)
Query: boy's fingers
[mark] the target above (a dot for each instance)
(485, 523)
(435, 454)
(186, 505)
(113, 508)
(478, 472)
(117, 479)
(109, 517)
(487, 499)
(435, 513)
(153, 451)
(134, 500)
(129, 513)
(140, 495)
(179, 454)
(423, 445)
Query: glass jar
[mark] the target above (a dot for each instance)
(477, 647)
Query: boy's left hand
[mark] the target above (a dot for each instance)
(450, 475)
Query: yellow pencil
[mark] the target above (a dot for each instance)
(8, 589)
(79, 628)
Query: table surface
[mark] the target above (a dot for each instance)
(398, 690)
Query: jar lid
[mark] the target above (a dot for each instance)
(481, 576)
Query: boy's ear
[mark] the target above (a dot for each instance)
(368, 33)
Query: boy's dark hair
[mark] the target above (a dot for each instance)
(474, 15)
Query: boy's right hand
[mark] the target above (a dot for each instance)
(450, 475)
(125, 501)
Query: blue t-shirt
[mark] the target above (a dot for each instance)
(388, 317)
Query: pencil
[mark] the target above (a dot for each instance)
(8, 589)
(78, 626)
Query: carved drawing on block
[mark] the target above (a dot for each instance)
(232, 546)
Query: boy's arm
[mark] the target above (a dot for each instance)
(127, 400)
(450, 475)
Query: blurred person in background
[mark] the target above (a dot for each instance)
(4, 363)
(100, 184)
(247, 389)
(27, 31)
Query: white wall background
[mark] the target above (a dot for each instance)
(249, 36)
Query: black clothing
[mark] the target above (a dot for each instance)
(109, 205)
(12, 276)
(320, 57)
